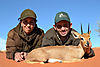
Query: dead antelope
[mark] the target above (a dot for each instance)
(61, 53)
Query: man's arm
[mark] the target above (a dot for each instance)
(89, 52)
(10, 46)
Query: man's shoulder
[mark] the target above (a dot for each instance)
(50, 33)
(11, 33)
(14, 31)
(71, 33)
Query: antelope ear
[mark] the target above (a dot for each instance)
(75, 34)
(89, 32)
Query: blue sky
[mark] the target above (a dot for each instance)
(80, 12)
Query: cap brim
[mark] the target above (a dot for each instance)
(60, 19)
(27, 17)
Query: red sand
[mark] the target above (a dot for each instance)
(91, 62)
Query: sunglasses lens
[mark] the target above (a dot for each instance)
(59, 26)
(66, 25)
(31, 22)
(25, 22)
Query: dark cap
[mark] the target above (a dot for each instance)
(61, 16)
(27, 13)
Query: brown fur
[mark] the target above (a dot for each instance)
(63, 53)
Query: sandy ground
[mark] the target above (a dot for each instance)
(91, 62)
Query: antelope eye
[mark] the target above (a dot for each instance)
(82, 39)
(85, 45)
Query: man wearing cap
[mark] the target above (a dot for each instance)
(61, 34)
(25, 37)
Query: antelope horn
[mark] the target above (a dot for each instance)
(81, 29)
(88, 28)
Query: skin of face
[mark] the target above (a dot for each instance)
(63, 27)
(28, 25)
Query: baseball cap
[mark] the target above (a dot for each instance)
(27, 13)
(61, 16)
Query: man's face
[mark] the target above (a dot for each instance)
(63, 27)
(28, 25)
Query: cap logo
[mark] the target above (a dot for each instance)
(62, 15)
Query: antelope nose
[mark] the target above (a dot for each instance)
(87, 43)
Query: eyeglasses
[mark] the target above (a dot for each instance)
(31, 22)
(60, 26)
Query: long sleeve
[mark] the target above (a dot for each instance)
(10, 46)
(91, 54)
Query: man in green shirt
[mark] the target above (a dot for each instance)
(61, 34)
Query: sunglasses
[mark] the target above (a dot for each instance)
(31, 22)
(60, 26)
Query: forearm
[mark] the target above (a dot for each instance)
(10, 51)
(88, 55)
(10, 55)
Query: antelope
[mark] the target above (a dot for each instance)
(61, 53)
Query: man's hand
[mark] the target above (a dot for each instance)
(20, 56)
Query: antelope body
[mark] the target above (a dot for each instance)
(62, 53)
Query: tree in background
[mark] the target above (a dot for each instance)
(98, 30)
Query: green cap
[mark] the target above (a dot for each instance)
(61, 16)
(27, 13)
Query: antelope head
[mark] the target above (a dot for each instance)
(84, 37)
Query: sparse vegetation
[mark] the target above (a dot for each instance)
(98, 30)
